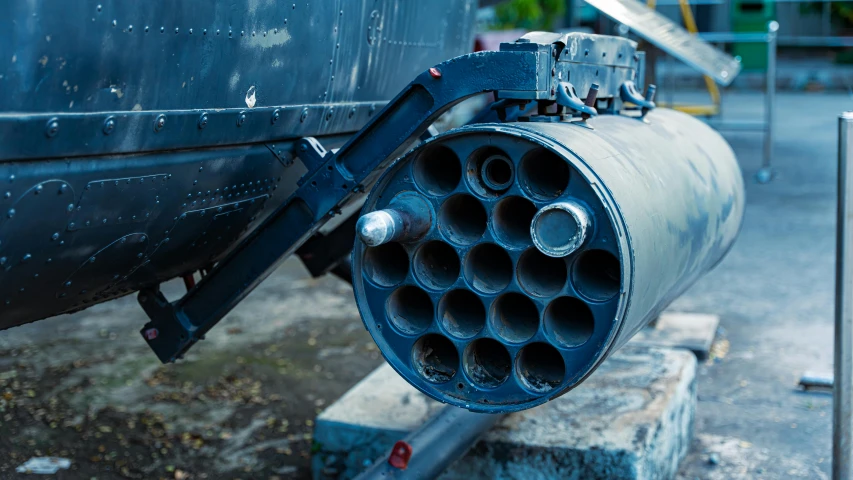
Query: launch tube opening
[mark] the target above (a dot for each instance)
(437, 171)
(436, 265)
(543, 174)
(541, 275)
(489, 171)
(497, 172)
(596, 275)
(410, 310)
(435, 358)
(386, 265)
(462, 313)
(515, 317)
(487, 363)
(463, 219)
(561, 228)
(488, 268)
(511, 220)
(540, 367)
(569, 321)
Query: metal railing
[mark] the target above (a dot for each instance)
(822, 38)
(766, 124)
(765, 173)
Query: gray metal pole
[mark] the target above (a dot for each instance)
(842, 398)
(442, 440)
(765, 174)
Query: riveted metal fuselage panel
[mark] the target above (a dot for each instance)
(140, 141)
(102, 77)
(103, 227)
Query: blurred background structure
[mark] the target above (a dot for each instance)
(814, 37)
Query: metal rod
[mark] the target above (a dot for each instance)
(770, 98)
(842, 398)
(439, 442)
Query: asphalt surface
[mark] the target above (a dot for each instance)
(774, 293)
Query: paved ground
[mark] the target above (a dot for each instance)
(774, 293)
(241, 405)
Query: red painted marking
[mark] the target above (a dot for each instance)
(189, 281)
(400, 455)
(151, 333)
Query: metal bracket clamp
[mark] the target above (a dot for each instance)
(568, 97)
(311, 152)
(329, 187)
(628, 93)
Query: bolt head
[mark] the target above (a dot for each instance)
(52, 127)
(434, 72)
(109, 125)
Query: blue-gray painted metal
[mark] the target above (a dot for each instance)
(524, 70)
(666, 199)
(140, 141)
(326, 66)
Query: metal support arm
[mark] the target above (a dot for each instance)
(524, 72)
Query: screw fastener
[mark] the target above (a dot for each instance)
(52, 127)
(109, 125)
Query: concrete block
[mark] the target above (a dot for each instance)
(632, 419)
(693, 331)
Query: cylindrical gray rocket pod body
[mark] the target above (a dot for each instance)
(514, 296)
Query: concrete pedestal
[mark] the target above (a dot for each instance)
(693, 331)
(632, 419)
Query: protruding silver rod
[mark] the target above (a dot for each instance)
(407, 217)
(379, 227)
(560, 228)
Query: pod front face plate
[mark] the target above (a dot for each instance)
(472, 313)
